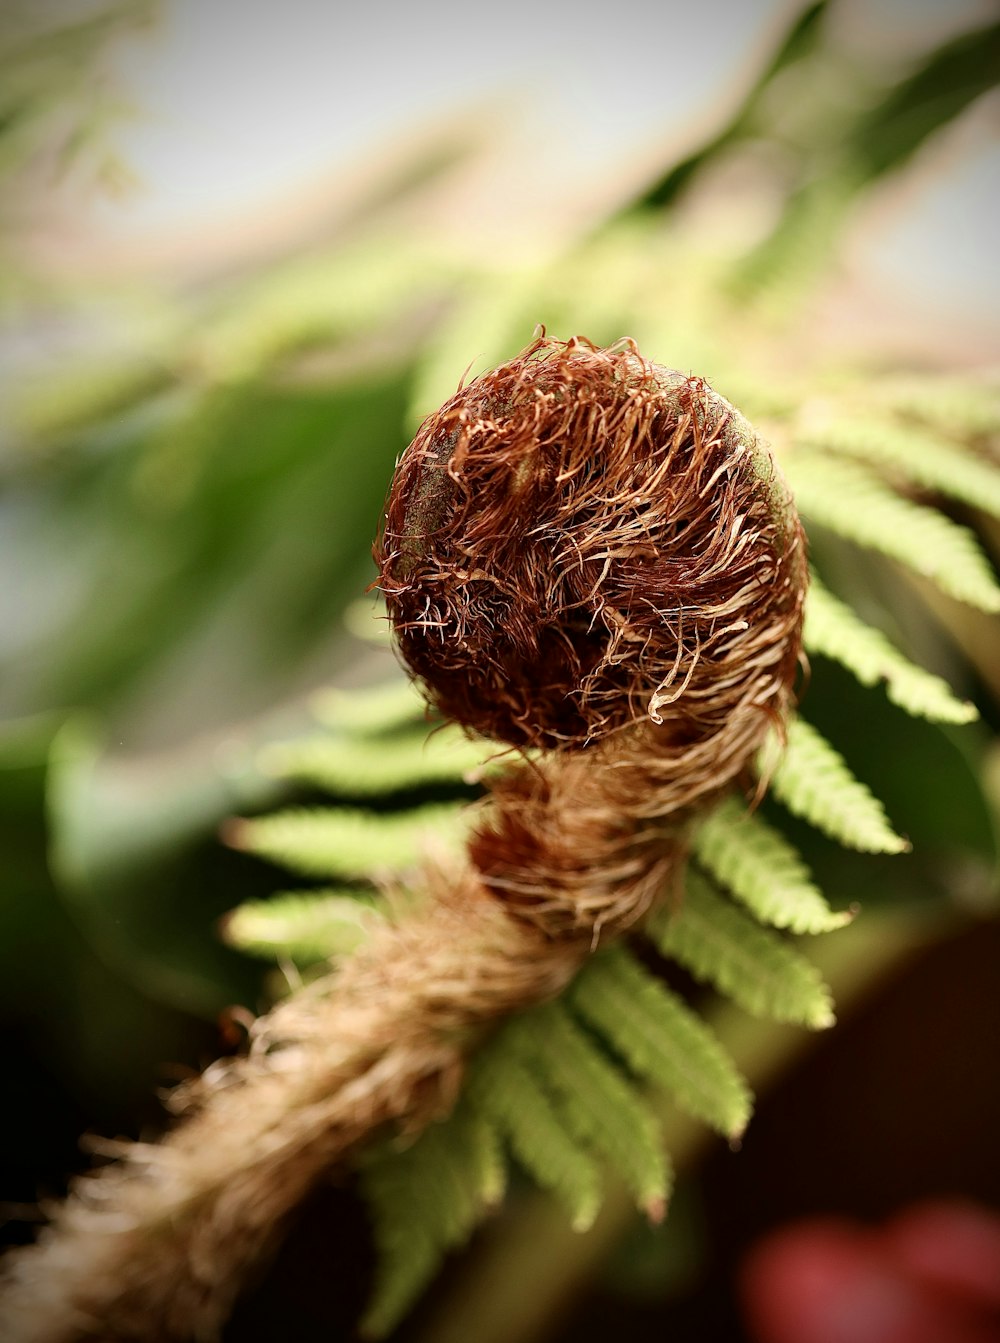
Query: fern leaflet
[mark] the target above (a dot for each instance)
(859, 506)
(307, 926)
(344, 843)
(661, 1039)
(763, 870)
(814, 782)
(425, 1199)
(761, 971)
(919, 455)
(369, 767)
(597, 1102)
(372, 712)
(506, 1092)
(963, 406)
(833, 629)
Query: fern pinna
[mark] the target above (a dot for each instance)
(593, 565)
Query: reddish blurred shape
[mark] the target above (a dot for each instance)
(952, 1245)
(929, 1275)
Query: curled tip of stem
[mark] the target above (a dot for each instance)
(588, 553)
(581, 540)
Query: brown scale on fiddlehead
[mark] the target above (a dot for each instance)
(583, 554)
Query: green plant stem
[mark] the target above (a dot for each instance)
(531, 1265)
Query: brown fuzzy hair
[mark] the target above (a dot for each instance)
(583, 553)
(581, 537)
(590, 554)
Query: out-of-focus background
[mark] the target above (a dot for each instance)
(245, 248)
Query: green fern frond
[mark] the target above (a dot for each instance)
(814, 782)
(661, 1039)
(343, 843)
(424, 1200)
(308, 926)
(367, 767)
(834, 630)
(312, 299)
(488, 1158)
(917, 454)
(506, 1092)
(597, 1102)
(374, 711)
(858, 505)
(954, 405)
(759, 969)
(763, 870)
(774, 274)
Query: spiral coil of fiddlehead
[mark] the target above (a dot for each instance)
(585, 555)
(592, 555)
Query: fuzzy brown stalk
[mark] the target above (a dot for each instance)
(583, 553)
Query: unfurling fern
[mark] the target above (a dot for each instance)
(593, 565)
(541, 566)
(568, 1087)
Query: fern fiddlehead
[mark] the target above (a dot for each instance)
(585, 555)
(594, 556)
